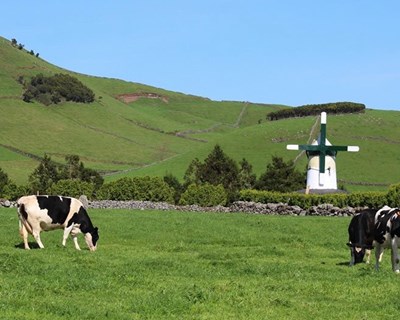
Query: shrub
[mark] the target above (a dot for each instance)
(205, 195)
(393, 196)
(305, 201)
(54, 89)
(72, 188)
(12, 192)
(137, 188)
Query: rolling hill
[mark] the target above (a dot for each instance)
(133, 129)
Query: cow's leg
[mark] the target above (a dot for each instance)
(74, 234)
(36, 235)
(378, 255)
(24, 235)
(67, 231)
(395, 255)
(75, 238)
(368, 254)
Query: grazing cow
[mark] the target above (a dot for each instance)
(44, 213)
(387, 235)
(361, 236)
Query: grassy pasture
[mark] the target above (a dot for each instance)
(178, 265)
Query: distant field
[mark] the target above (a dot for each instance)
(177, 265)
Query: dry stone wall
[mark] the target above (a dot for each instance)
(239, 206)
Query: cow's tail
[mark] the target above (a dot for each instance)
(23, 222)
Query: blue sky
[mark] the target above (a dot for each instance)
(272, 51)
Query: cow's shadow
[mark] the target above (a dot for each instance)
(32, 245)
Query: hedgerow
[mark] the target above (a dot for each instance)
(137, 188)
(316, 109)
(341, 200)
(205, 195)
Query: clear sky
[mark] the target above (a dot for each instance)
(269, 51)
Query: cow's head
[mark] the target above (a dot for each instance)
(91, 239)
(357, 252)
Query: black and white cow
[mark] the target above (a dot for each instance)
(44, 213)
(387, 235)
(361, 236)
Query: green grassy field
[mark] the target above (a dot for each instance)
(179, 265)
(156, 136)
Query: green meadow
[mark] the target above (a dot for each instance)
(181, 265)
(162, 131)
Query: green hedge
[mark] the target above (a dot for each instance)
(137, 188)
(72, 188)
(205, 195)
(305, 201)
(316, 109)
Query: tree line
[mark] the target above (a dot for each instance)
(217, 172)
(316, 109)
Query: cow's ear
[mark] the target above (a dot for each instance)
(349, 244)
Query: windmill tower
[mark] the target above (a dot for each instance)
(321, 170)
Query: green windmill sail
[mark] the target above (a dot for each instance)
(321, 149)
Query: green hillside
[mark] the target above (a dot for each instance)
(134, 129)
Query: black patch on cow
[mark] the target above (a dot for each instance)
(361, 233)
(82, 218)
(57, 207)
(23, 211)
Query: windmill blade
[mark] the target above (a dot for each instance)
(322, 162)
(292, 147)
(353, 148)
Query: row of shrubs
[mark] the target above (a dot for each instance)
(316, 109)
(157, 190)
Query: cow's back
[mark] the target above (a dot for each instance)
(55, 210)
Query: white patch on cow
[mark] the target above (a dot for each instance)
(89, 242)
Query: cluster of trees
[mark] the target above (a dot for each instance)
(20, 46)
(48, 177)
(316, 109)
(216, 180)
(56, 88)
(219, 169)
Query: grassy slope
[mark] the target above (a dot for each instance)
(175, 265)
(139, 138)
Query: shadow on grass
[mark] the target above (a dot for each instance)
(343, 264)
(32, 245)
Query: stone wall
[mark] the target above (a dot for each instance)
(239, 206)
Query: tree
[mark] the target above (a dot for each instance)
(281, 177)
(75, 169)
(4, 180)
(247, 179)
(72, 169)
(192, 173)
(44, 175)
(173, 182)
(218, 168)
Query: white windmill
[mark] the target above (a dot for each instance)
(321, 170)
